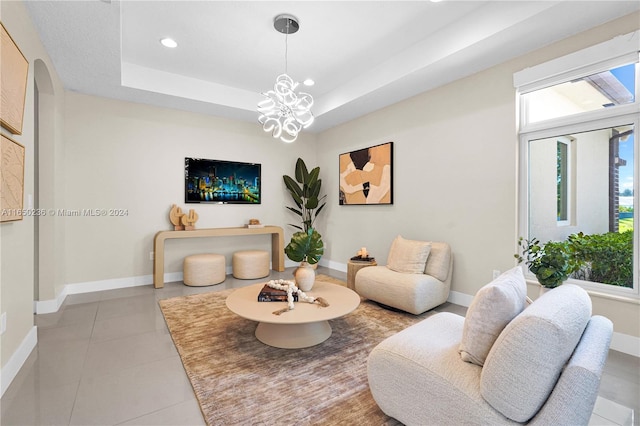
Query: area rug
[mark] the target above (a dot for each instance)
(240, 381)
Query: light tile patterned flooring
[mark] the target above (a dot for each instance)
(107, 358)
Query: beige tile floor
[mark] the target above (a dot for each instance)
(107, 358)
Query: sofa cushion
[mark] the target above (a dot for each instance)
(408, 256)
(526, 360)
(492, 308)
(439, 261)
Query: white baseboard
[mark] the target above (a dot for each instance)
(458, 298)
(342, 267)
(17, 360)
(52, 305)
(627, 344)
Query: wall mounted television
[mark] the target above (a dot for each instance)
(222, 182)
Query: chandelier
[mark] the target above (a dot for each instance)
(285, 112)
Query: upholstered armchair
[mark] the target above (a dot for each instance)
(417, 276)
(504, 363)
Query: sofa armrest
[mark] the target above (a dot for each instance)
(573, 398)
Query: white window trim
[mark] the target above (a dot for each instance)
(619, 51)
(615, 52)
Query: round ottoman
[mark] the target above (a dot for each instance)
(250, 264)
(204, 269)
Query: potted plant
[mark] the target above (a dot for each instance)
(551, 263)
(305, 192)
(307, 248)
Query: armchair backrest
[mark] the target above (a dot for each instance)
(574, 396)
(439, 261)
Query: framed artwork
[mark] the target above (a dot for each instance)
(13, 83)
(11, 179)
(366, 176)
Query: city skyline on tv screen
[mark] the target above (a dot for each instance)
(222, 182)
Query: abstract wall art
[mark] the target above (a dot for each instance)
(13, 83)
(11, 179)
(366, 176)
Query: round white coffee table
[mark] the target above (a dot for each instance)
(306, 325)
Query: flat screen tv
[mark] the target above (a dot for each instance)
(221, 182)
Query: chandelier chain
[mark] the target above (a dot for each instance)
(286, 50)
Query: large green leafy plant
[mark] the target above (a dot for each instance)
(305, 192)
(305, 247)
(606, 258)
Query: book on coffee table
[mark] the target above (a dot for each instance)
(270, 294)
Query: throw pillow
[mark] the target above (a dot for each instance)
(527, 359)
(408, 256)
(492, 308)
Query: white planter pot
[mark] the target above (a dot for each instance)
(305, 276)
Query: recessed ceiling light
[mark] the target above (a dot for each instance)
(308, 82)
(169, 42)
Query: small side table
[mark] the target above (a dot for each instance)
(353, 266)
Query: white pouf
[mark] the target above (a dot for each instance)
(204, 269)
(250, 264)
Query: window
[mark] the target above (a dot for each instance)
(563, 180)
(578, 161)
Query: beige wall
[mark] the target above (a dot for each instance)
(121, 155)
(455, 173)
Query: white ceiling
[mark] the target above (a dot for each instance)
(363, 55)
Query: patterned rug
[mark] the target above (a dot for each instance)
(241, 381)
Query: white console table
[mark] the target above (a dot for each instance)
(277, 245)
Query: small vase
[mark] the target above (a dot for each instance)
(304, 276)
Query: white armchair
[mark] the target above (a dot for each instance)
(544, 368)
(417, 276)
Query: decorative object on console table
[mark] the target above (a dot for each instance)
(175, 216)
(14, 70)
(189, 220)
(366, 176)
(254, 223)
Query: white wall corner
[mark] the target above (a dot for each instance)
(17, 360)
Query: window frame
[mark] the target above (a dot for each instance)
(620, 51)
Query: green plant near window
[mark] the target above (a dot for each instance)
(607, 258)
(305, 192)
(551, 263)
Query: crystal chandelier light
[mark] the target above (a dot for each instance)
(285, 112)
